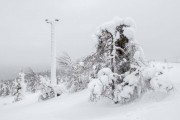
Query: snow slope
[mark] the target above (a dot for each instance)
(151, 106)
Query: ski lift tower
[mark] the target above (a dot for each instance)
(53, 51)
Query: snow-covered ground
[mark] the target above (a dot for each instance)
(151, 106)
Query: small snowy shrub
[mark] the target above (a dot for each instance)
(74, 75)
(102, 85)
(32, 80)
(157, 79)
(6, 87)
(47, 90)
(20, 87)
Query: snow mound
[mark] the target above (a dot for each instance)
(131, 79)
(129, 33)
(104, 71)
(161, 83)
(110, 26)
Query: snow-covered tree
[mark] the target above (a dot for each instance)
(20, 87)
(117, 44)
(32, 80)
(122, 77)
(74, 75)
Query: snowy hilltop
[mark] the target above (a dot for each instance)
(115, 82)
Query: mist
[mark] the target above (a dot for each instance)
(25, 37)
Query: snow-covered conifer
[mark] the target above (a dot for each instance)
(20, 87)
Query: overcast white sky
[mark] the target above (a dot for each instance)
(25, 37)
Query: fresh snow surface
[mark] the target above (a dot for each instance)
(151, 106)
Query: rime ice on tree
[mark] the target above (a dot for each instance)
(20, 87)
(120, 75)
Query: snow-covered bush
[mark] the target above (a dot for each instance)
(32, 80)
(6, 87)
(103, 85)
(74, 75)
(112, 86)
(157, 79)
(124, 73)
(47, 90)
(20, 87)
(129, 86)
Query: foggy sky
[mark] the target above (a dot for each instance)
(25, 37)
